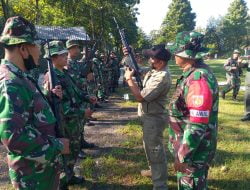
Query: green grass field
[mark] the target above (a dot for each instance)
(230, 170)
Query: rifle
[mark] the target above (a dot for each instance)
(245, 57)
(132, 63)
(89, 56)
(55, 105)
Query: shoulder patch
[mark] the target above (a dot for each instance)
(199, 101)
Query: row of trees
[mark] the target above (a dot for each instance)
(96, 16)
(222, 34)
(231, 31)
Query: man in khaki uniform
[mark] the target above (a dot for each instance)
(152, 112)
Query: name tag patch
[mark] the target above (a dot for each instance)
(199, 113)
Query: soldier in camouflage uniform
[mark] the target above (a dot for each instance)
(109, 77)
(91, 80)
(98, 71)
(233, 71)
(193, 113)
(152, 112)
(115, 72)
(246, 64)
(72, 106)
(87, 67)
(27, 121)
(76, 68)
(78, 72)
(106, 73)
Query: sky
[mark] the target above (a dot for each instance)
(152, 12)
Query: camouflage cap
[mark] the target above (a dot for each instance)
(236, 51)
(55, 48)
(188, 44)
(71, 43)
(18, 30)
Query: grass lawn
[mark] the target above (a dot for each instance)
(230, 170)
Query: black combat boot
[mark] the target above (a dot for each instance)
(92, 118)
(82, 155)
(98, 106)
(234, 98)
(76, 180)
(85, 144)
(223, 95)
(64, 187)
(246, 118)
(88, 123)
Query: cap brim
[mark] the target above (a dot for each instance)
(173, 49)
(62, 52)
(72, 46)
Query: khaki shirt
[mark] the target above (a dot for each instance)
(156, 85)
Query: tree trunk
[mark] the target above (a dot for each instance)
(37, 12)
(5, 9)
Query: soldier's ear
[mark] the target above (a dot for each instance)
(23, 51)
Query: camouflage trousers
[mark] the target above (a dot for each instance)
(192, 181)
(153, 127)
(92, 88)
(73, 131)
(38, 176)
(247, 93)
(83, 122)
(233, 83)
(101, 92)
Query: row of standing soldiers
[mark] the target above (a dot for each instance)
(81, 81)
(37, 157)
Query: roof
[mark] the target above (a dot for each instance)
(62, 33)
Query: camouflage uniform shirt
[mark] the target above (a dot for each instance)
(77, 71)
(27, 130)
(193, 119)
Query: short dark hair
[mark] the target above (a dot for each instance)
(11, 47)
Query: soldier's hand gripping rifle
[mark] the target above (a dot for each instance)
(132, 63)
(55, 105)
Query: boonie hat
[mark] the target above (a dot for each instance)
(18, 30)
(55, 48)
(188, 44)
(71, 43)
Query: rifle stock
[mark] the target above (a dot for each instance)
(132, 63)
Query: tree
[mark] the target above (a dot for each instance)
(96, 16)
(179, 18)
(213, 35)
(234, 25)
(143, 41)
(5, 8)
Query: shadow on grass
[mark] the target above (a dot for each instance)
(104, 122)
(137, 156)
(104, 186)
(221, 157)
(243, 184)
